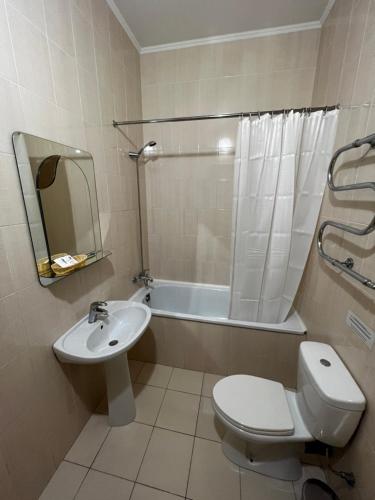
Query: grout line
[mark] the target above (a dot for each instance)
(83, 479)
(112, 474)
(75, 463)
(144, 454)
(159, 489)
(190, 463)
(154, 426)
(195, 436)
(101, 446)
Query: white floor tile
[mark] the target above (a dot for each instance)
(100, 486)
(157, 375)
(88, 443)
(209, 380)
(208, 425)
(255, 486)
(167, 460)
(179, 412)
(148, 400)
(186, 381)
(65, 483)
(212, 476)
(123, 450)
(145, 493)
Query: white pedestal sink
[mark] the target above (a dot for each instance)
(107, 341)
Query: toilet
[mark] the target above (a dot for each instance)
(267, 425)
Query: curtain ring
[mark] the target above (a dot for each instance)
(258, 115)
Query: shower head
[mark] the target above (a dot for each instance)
(135, 155)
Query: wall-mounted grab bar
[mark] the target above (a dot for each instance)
(348, 264)
(370, 139)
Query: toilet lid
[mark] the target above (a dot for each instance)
(254, 404)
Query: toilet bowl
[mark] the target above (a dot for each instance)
(268, 425)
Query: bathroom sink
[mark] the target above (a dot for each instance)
(107, 341)
(101, 341)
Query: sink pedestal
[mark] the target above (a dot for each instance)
(121, 404)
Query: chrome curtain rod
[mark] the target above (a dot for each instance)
(223, 115)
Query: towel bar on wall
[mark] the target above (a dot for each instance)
(348, 264)
(370, 139)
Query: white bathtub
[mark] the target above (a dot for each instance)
(204, 303)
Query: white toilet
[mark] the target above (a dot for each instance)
(267, 425)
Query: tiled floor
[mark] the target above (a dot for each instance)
(172, 451)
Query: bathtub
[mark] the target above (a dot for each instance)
(205, 304)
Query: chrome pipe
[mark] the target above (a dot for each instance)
(348, 264)
(370, 139)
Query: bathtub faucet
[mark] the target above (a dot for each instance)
(145, 277)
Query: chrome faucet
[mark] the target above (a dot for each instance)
(145, 277)
(97, 311)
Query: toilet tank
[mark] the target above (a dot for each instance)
(329, 399)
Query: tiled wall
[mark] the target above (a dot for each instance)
(220, 349)
(67, 69)
(189, 185)
(346, 74)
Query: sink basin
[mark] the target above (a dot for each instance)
(107, 341)
(106, 338)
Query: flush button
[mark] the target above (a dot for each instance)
(325, 362)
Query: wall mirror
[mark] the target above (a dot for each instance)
(59, 192)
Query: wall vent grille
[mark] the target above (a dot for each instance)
(362, 330)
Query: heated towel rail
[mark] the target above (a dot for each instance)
(347, 265)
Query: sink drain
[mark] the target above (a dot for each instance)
(113, 342)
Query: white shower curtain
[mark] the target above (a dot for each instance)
(280, 174)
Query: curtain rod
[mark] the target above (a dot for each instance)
(223, 115)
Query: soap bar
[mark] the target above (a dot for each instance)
(66, 261)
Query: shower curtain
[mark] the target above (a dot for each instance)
(280, 173)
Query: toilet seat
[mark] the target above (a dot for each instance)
(254, 404)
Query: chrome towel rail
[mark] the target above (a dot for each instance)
(370, 139)
(347, 266)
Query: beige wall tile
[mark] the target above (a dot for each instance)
(48, 69)
(325, 296)
(59, 25)
(263, 73)
(7, 66)
(31, 52)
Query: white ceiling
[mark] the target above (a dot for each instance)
(159, 22)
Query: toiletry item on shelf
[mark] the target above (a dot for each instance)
(63, 263)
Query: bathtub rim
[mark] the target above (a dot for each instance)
(293, 325)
